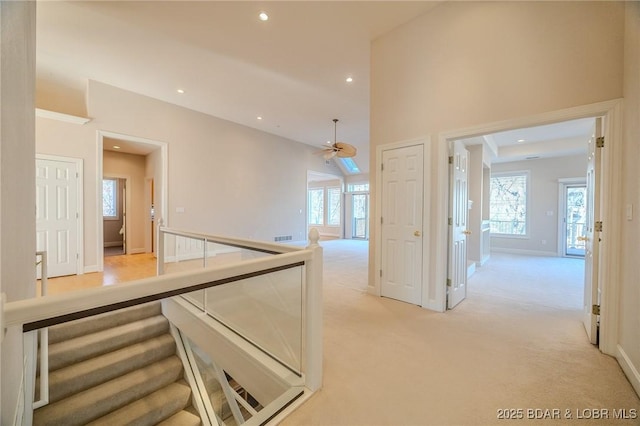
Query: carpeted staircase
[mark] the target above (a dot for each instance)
(115, 369)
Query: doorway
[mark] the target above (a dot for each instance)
(144, 163)
(572, 221)
(114, 213)
(360, 216)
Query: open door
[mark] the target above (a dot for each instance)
(592, 235)
(458, 221)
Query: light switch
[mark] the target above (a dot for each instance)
(629, 211)
(179, 209)
(549, 212)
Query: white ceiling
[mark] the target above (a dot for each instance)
(290, 70)
(547, 141)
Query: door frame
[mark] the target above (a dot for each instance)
(164, 190)
(563, 184)
(611, 112)
(376, 213)
(79, 204)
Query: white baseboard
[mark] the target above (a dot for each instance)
(91, 268)
(630, 370)
(112, 243)
(524, 252)
(137, 251)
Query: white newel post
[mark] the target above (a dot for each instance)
(313, 352)
(160, 248)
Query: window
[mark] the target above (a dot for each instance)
(316, 206)
(110, 198)
(350, 165)
(358, 187)
(334, 196)
(508, 203)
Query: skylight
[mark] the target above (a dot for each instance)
(350, 165)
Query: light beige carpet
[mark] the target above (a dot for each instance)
(516, 343)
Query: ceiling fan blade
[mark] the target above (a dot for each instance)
(346, 150)
(329, 154)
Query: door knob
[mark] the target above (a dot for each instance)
(466, 232)
(417, 233)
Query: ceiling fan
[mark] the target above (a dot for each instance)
(340, 149)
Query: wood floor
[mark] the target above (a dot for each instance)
(117, 270)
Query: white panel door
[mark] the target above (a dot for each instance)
(592, 236)
(402, 205)
(459, 211)
(57, 215)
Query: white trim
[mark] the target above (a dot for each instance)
(79, 163)
(163, 208)
(137, 250)
(612, 113)
(376, 212)
(91, 269)
(524, 252)
(67, 118)
(630, 370)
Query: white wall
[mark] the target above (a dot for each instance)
(629, 313)
(543, 197)
(229, 179)
(17, 178)
(468, 63)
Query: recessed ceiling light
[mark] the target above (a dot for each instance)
(181, 91)
(259, 117)
(116, 147)
(520, 140)
(329, 142)
(263, 16)
(349, 79)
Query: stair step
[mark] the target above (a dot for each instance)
(100, 400)
(84, 375)
(182, 418)
(152, 409)
(101, 322)
(81, 348)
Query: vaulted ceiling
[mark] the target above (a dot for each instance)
(290, 70)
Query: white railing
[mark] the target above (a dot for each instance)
(39, 313)
(285, 304)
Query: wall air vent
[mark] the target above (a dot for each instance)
(533, 157)
(283, 238)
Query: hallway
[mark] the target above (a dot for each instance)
(517, 342)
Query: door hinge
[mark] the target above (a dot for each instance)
(600, 142)
(595, 309)
(77, 256)
(77, 215)
(382, 167)
(451, 159)
(448, 282)
(450, 221)
(77, 175)
(380, 273)
(381, 220)
(598, 226)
